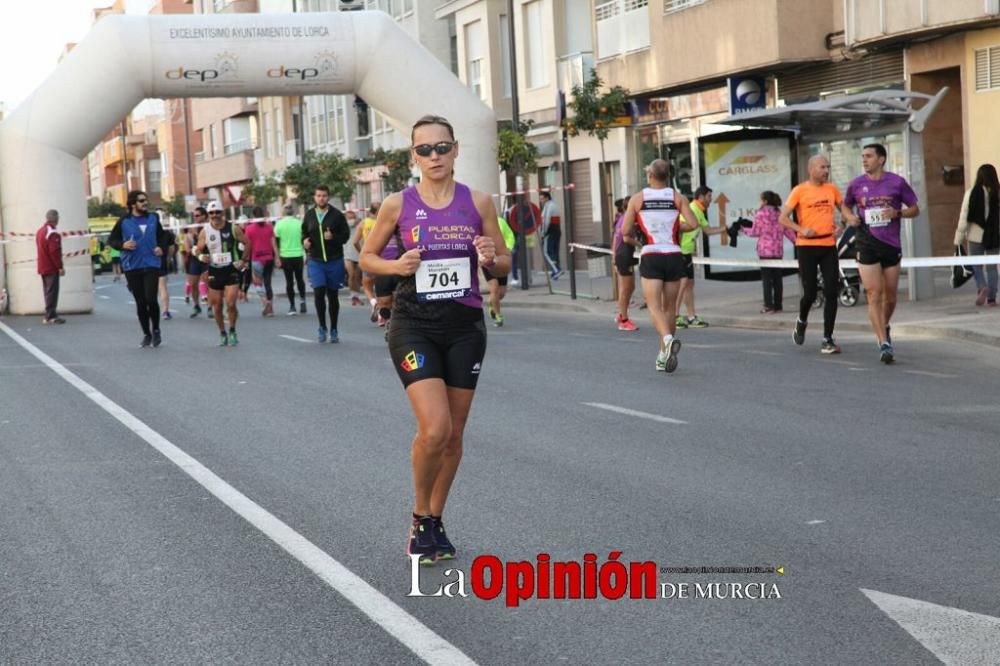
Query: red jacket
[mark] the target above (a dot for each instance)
(49, 244)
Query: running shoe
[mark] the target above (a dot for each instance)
(167, 315)
(373, 317)
(334, 338)
(625, 324)
(680, 322)
(670, 359)
(767, 311)
(302, 307)
(187, 300)
(991, 302)
(157, 339)
(445, 549)
(147, 340)
(223, 340)
(291, 310)
(195, 312)
(321, 334)
(498, 321)
(422, 541)
(493, 314)
(696, 322)
(885, 353)
(557, 274)
(799, 334)
(661, 361)
(380, 320)
(829, 347)
(233, 339)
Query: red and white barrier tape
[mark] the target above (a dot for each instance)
(78, 253)
(909, 262)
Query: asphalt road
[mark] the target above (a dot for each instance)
(851, 475)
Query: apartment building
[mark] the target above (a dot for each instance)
(228, 128)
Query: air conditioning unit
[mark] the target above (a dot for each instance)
(350, 5)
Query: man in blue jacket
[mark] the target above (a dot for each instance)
(142, 242)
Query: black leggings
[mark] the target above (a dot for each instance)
(322, 295)
(773, 282)
(144, 285)
(292, 266)
(267, 271)
(825, 258)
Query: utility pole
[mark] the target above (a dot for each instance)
(522, 244)
(297, 119)
(567, 193)
(187, 146)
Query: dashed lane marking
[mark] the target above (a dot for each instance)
(408, 630)
(292, 337)
(632, 412)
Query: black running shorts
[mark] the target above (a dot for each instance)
(625, 260)
(385, 285)
(688, 266)
(220, 278)
(666, 267)
(872, 251)
(431, 351)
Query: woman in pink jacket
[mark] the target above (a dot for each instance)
(770, 237)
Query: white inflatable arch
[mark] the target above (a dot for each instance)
(125, 59)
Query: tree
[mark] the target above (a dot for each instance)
(397, 172)
(516, 155)
(105, 208)
(175, 207)
(595, 113)
(330, 169)
(264, 190)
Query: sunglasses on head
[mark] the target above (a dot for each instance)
(442, 148)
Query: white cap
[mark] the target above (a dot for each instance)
(213, 205)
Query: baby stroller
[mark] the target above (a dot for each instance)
(850, 279)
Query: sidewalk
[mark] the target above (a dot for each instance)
(952, 313)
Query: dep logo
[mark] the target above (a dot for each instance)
(747, 93)
(227, 66)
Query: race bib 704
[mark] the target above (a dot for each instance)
(440, 279)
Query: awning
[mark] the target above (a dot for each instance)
(869, 113)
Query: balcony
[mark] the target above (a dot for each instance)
(622, 27)
(874, 22)
(112, 152)
(232, 168)
(574, 70)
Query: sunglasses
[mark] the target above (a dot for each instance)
(215, 212)
(425, 149)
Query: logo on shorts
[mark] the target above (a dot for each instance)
(415, 233)
(413, 361)
(476, 368)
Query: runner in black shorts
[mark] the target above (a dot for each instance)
(218, 245)
(625, 263)
(194, 269)
(438, 338)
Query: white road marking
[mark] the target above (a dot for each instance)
(632, 412)
(407, 629)
(102, 286)
(698, 345)
(952, 635)
(292, 337)
(815, 522)
(758, 352)
(860, 369)
(107, 298)
(927, 373)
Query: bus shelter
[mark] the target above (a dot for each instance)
(840, 125)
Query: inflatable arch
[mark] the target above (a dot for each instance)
(125, 59)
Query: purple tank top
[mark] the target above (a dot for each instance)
(444, 233)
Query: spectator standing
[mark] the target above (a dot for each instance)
(770, 237)
(979, 223)
(50, 265)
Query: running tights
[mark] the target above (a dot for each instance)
(825, 259)
(292, 266)
(322, 295)
(144, 285)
